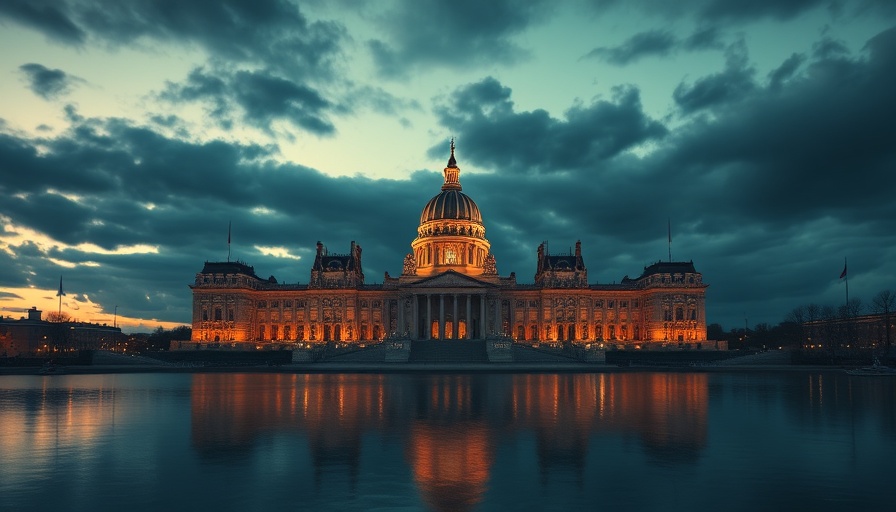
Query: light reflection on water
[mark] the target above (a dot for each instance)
(742, 441)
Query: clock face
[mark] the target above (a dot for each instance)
(450, 257)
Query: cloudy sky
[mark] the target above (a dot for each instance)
(132, 133)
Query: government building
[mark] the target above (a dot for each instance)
(449, 289)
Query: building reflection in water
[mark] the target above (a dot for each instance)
(451, 425)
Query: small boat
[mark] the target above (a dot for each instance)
(875, 369)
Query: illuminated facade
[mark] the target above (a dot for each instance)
(449, 288)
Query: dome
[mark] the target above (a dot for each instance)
(451, 205)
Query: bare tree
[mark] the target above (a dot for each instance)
(59, 332)
(883, 304)
(58, 317)
(798, 317)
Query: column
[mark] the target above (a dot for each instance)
(454, 328)
(468, 334)
(441, 316)
(416, 318)
(387, 316)
(400, 315)
(428, 330)
(511, 320)
(482, 329)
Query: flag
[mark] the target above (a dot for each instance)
(843, 274)
(60, 293)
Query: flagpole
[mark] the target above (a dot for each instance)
(669, 226)
(228, 240)
(846, 275)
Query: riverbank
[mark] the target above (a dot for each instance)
(415, 368)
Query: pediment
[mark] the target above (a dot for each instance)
(449, 279)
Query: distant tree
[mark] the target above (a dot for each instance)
(161, 339)
(59, 332)
(883, 304)
(58, 317)
(797, 317)
(715, 332)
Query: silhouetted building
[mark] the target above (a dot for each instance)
(33, 336)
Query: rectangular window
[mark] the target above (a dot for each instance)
(623, 304)
(287, 331)
(275, 332)
(275, 304)
(599, 303)
(610, 304)
(636, 303)
(230, 315)
(262, 304)
(218, 314)
(679, 314)
(287, 303)
(300, 332)
(261, 332)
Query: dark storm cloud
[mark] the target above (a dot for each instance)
(726, 10)
(46, 83)
(732, 84)
(786, 70)
(51, 17)
(497, 136)
(113, 184)
(260, 97)
(655, 43)
(274, 32)
(451, 34)
(766, 194)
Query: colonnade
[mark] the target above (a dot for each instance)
(448, 316)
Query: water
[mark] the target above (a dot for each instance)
(673, 441)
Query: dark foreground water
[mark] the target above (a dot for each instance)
(618, 441)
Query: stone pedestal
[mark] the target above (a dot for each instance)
(397, 350)
(499, 350)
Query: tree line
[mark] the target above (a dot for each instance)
(829, 325)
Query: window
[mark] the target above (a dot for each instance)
(287, 331)
(204, 316)
(230, 315)
(287, 303)
(300, 332)
(261, 332)
(610, 304)
(262, 304)
(636, 303)
(667, 315)
(623, 304)
(275, 332)
(275, 304)
(679, 314)
(599, 303)
(218, 314)
(693, 314)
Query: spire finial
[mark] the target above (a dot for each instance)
(452, 172)
(451, 161)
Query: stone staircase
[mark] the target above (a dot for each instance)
(448, 351)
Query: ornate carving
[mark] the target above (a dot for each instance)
(410, 265)
(490, 267)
